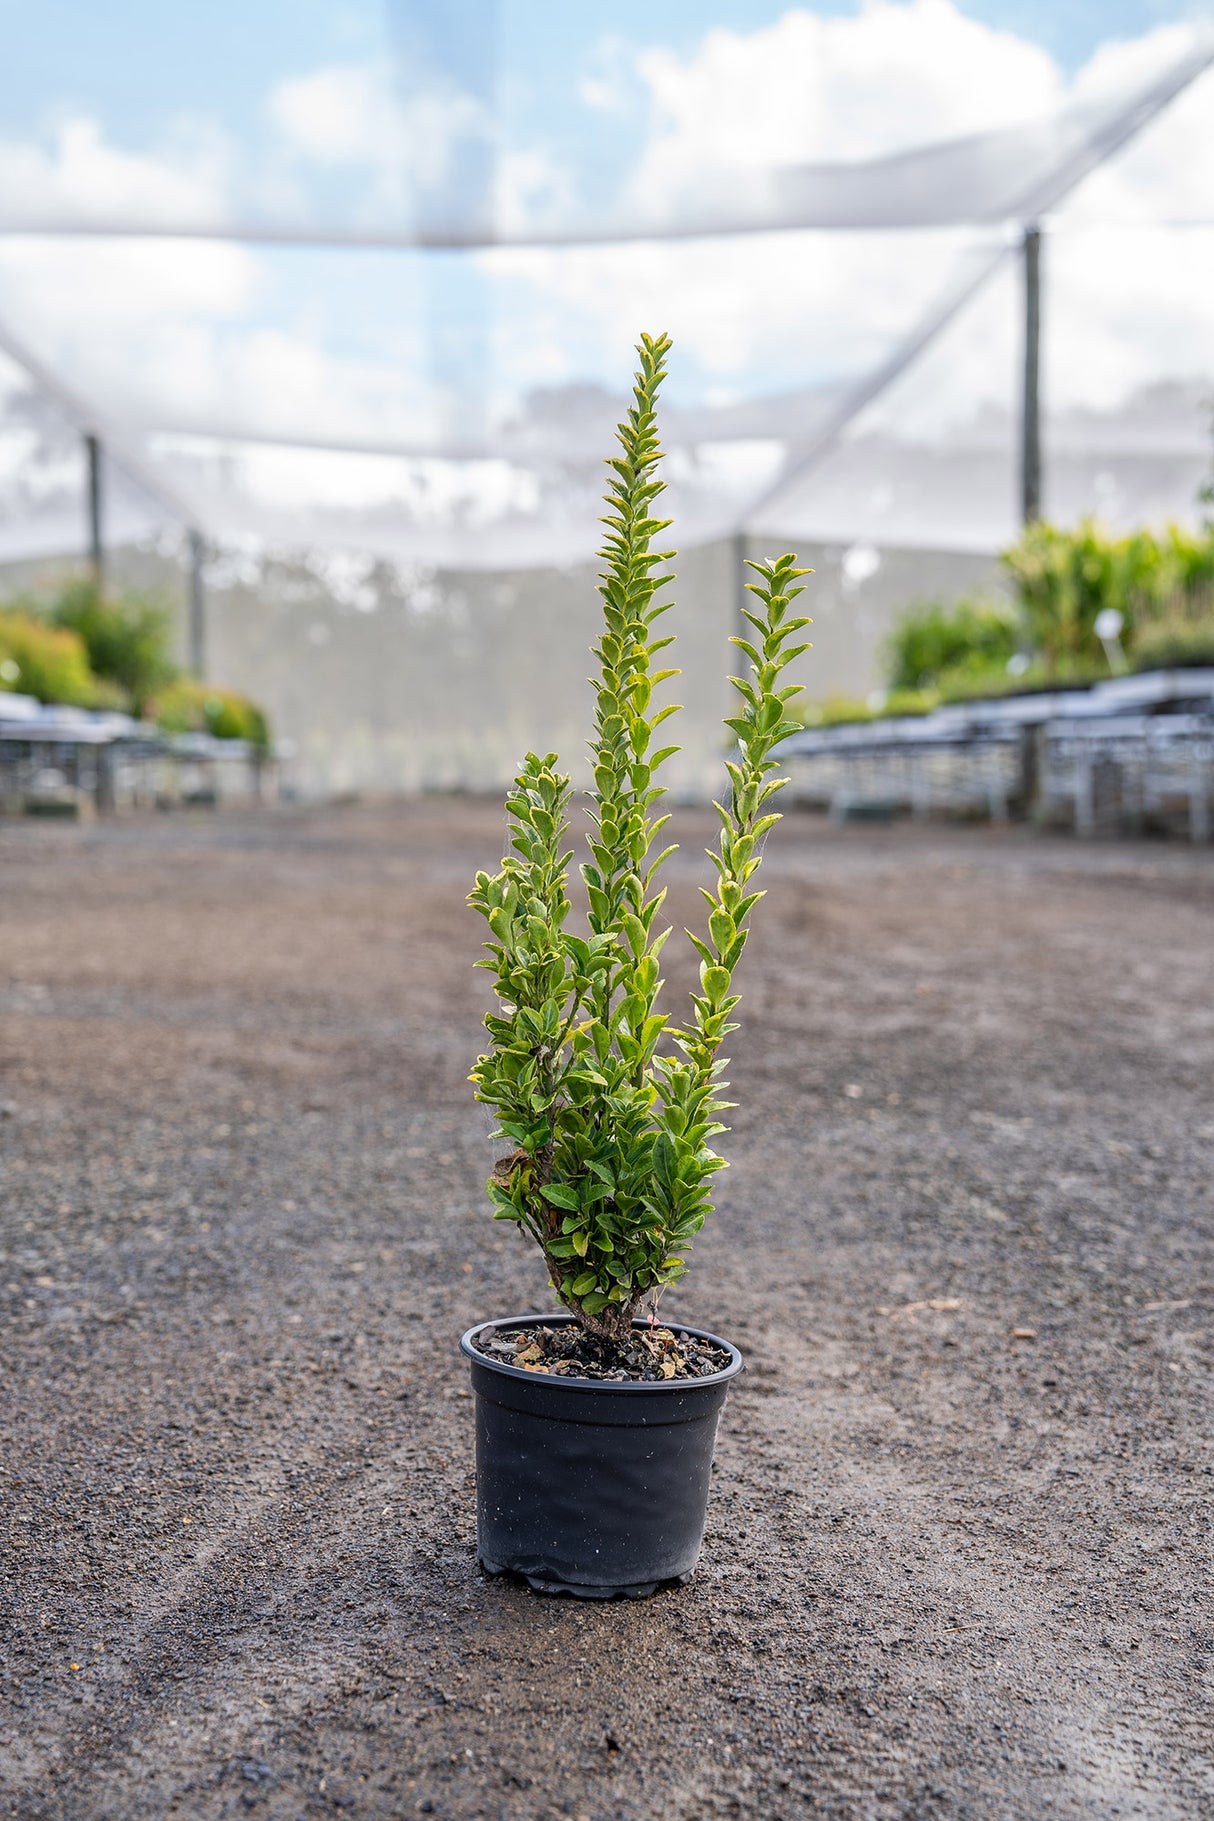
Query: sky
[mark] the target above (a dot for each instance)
(323, 110)
(219, 61)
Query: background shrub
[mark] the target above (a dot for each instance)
(1175, 644)
(1064, 579)
(187, 706)
(92, 650)
(127, 638)
(932, 642)
(1161, 583)
(44, 661)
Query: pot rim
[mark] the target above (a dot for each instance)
(606, 1385)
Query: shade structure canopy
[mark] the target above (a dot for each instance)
(384, 299)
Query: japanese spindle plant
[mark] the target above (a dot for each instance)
(610, 1107)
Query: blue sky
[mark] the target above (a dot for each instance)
(143, 63)
(222, 106)
(1072, 29)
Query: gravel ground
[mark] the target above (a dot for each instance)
(958, 1559)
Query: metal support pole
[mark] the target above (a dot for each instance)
(1030, 427)
(198, 608)
(92, 445)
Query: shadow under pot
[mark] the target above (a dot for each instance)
(590, 1487)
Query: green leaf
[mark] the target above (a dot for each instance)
(572, 1068)
(715, 981)
(721, 929)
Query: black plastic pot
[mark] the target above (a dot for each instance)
(592, 1488)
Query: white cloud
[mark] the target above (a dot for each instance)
(803, 89)
(160, 331)
(210, 335)
(809, 89)
(338, 115)
(1121, 63)
(107, 293)
(91, 292)
(168, 340)
(405, 148)
(1126, 308)
(105, 316)
(610, 82)
(85, 176)
(811, 304)
(353, 119)
(1166, 173)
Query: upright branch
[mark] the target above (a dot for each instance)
(611, 1160)
(760, 726)
(525, 906)
(621, 906)
(692, 1084)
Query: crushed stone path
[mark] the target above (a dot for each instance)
(958, 1560)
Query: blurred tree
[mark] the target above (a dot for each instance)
(127, 637)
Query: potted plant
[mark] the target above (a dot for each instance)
(595, 1426)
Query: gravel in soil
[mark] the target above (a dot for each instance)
(958, 1552)
(653, 1354)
